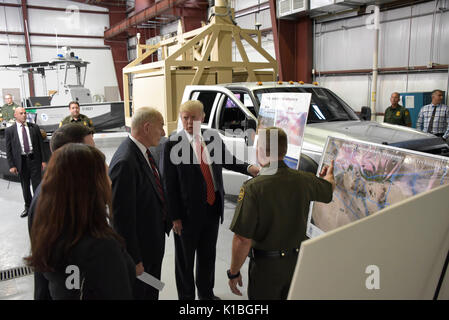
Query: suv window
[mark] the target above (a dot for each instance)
(245, 98)
(231, 116)
(325, 106)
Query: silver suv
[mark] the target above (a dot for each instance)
(235, 106)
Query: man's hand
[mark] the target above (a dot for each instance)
(139, 269)
(13, 170)
(253, 170)
(240, 250)
(177, 227)
(327, 173)
(44, 165)
(233, 285)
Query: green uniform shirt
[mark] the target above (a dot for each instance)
(399, 115)
(82, 119)
(7, 111)
(272, 210)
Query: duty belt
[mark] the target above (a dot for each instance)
(29, 156)
(255, 253)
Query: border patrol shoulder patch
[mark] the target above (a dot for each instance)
(241, 194)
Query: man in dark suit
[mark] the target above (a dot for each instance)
(194, 184)
(138, 198)
(25, 154)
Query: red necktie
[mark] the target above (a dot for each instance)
(206, 173)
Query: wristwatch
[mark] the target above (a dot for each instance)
(232, 276)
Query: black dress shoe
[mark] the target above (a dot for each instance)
(24, 213)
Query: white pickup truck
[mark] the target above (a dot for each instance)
(236, 106)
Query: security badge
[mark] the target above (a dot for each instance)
(85, 123)
(241, 194)
(398, 113)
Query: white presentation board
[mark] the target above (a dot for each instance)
(289, 112)
(370, 177)
(397, 253)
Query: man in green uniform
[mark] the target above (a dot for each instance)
(397, 114)
(8, 109)
(270, 219)
(76, 116)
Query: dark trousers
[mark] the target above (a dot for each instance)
(31, 171)
(199, 238)
(270, 278)
(41, 291)
(143, 291)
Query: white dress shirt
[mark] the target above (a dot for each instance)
(143, 149)
(19, 132)
(206, 152)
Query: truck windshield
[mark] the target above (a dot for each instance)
(325, 106)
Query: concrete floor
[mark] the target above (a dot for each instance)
(14, 241)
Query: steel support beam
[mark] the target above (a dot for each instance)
(147, 34)
(119, 46)
(389, 70)
(140, 5)
(14, 5)
(192, 18)
(27, 45)
(123, 26)
(143, 16)
(293, 42)
(51, 35)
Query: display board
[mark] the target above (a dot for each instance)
(370, 177)
(289, 112)
(397, 253)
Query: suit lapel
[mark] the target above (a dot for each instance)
(192, 156)
(16, 137)
(146, 167)
(31, 130)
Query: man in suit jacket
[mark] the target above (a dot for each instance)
(196, 199)
(138, 198)
(25, 154)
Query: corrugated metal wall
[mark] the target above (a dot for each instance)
(348, 44)
(345, 44)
